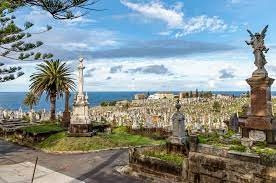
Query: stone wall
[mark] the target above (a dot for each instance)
(212, 164)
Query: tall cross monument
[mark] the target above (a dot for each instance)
(80, 123)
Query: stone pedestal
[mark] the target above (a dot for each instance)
(260, 119)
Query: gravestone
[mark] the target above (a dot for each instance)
(179, 135)
(234, 122)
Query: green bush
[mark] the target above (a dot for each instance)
(229, 134)
(239, 148)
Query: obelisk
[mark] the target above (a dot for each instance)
(80, 123)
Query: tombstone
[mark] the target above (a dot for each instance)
(179, 135)
(234, 122)
(5, 114)
(12, 116)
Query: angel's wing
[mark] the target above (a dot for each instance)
(250, 33)
(264, 31)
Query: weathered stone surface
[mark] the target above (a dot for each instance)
(219, 169)
(261, 105)
(257, 135)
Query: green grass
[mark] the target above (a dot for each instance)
(44, 128)
(239, 148)
(265, 151)
(176, 159)
(119, 138)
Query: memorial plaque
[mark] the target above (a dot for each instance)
(256, 135)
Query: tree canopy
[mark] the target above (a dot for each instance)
(14, 39)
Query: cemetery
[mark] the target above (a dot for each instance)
(173, 139)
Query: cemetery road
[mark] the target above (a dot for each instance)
(89, 167)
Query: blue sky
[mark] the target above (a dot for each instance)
(157, 44)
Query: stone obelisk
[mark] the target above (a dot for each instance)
(259, 124)
(80, 123)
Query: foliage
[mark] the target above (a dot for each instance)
(53, 78)
(30, 100)
(13, 42)
(107, 103)
(61, 9)
(44, 128)
(264, 151)
(176, 159)
(229, 134)
(216, 106)
(239, 148)
(209, 138)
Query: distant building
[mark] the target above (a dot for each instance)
(140, 96)
(161, 95)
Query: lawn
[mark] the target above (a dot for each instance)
(44, 128)
(176, 159)
(118, 138)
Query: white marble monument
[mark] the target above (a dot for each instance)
(80, 121)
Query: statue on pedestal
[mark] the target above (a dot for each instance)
(257, 43)
(259, 123)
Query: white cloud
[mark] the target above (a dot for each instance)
(156, 10)
(175, 18)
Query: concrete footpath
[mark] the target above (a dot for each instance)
(17, 163)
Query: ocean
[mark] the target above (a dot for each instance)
(14, 100)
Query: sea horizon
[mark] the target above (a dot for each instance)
(14, 100)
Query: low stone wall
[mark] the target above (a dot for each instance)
(212, 164)
(155, 166)
(209, 164)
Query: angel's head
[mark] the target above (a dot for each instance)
(257, 35)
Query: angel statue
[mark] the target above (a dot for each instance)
(257, 43)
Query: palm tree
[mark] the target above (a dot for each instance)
(30, 100)
(53, 77)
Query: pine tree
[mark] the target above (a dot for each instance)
(61, 9)
(13, 43)
(13, 39)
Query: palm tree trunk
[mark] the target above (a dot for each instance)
(53, 106)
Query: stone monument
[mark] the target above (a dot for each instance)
(66, 114)
(178, 140)
(258, 125)
(80, 123)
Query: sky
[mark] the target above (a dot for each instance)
(150, 45)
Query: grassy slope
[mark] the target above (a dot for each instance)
(60, 142)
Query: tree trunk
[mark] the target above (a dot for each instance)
(53, 106)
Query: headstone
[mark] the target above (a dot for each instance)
(234, 122)
(179, 135)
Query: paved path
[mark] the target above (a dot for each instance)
(90, 167)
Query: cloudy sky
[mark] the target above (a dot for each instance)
(149, 45)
